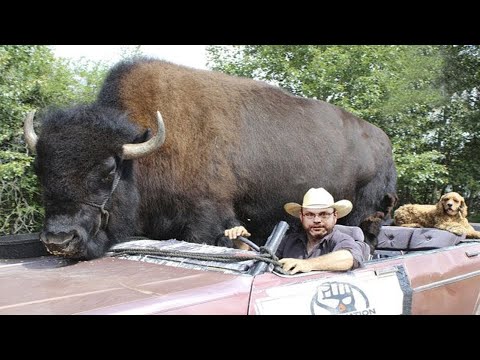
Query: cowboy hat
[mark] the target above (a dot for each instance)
(319, 199)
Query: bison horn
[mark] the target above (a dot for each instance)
(135, 151)
(29, 132)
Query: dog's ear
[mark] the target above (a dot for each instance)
(463, 209)
(439, 207)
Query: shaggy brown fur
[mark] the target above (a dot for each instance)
(450, 214)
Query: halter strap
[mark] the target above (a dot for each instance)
(104, 214)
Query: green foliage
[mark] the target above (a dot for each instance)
(130, 51)
(20, 210)
(32, 78)
(421, 177)
(474, 218)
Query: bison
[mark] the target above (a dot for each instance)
(224, 151)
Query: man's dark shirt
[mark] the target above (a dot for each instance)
(294, 245)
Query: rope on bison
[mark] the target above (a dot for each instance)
(265, 255)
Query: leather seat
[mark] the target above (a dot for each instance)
(404, 238)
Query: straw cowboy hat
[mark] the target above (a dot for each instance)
(319, 199)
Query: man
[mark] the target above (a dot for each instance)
(319, 246)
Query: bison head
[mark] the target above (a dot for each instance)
(84, 163)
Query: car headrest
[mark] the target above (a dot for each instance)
(354, 231)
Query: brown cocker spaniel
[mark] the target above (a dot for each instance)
(450, 214)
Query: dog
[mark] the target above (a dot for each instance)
(450, 214)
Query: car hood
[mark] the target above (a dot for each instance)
(52, 285)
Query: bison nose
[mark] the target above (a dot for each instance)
(59, 239)
(61, 243)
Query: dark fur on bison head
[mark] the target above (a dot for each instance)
(80, 166)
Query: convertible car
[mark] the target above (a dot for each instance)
(412, 271)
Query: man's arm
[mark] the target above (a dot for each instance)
(340, 260)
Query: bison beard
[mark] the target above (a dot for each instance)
(233, 151)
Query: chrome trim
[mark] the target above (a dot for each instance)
(446, 281)
(472, 253)
(386, 271)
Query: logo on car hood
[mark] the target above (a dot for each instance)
(356, 293)
(335, 297)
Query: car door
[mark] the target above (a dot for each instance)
(440, 281)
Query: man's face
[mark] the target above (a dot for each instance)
(318, 222)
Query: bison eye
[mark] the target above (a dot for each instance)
(109, 178)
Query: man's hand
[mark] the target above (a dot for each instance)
(295, 265)
(236, 231)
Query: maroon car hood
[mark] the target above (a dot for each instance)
(51, 285)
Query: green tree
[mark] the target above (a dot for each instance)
(459, 134)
